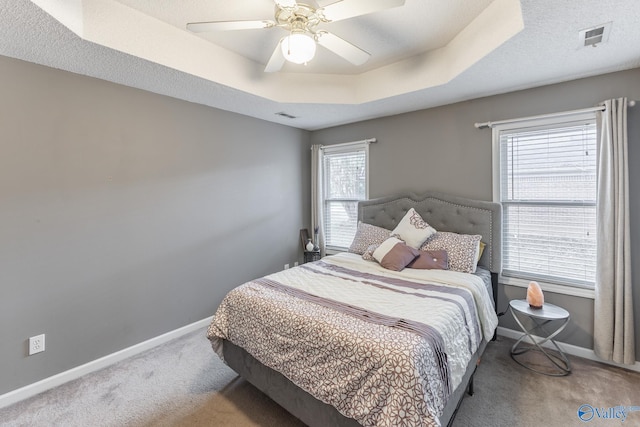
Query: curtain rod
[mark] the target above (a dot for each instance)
(344, 144)
(545, 116)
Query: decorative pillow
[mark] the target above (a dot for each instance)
(430, 260)
(462, 249)
(394, 254)
(368, 254)
(367, 235)
(481, 251)
(413, 229)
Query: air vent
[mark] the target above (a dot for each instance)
(595, 35)
(592, 37)
(288, 116)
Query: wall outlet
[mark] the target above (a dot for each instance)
(295, 264)
(286, 266)
(36, 344)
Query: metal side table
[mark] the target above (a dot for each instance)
(541, 317)
(310, 256)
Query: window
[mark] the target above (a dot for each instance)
(545, 178)
(345, 182)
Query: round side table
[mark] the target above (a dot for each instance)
(541, 317)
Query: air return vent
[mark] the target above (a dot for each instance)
(595, 35)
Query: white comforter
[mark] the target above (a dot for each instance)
(383, 347)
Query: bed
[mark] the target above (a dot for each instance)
(345, 341)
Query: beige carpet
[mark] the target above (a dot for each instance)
(183, 383)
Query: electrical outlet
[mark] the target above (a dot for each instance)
(36, 344)
(286, 266)
(295, 264)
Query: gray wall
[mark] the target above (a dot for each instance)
(125, 214)
(121, 211)
(440, 149)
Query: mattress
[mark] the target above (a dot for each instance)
(382, 347)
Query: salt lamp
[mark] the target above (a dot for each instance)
(535, 297)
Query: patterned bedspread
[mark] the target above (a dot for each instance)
(385, 348)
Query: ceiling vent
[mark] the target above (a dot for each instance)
(595, 35)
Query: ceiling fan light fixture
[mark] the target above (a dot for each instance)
(301, 21)
(298, 47)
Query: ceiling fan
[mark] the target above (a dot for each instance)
(301, 21)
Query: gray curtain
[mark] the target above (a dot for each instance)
(613, 317)
(316, 196)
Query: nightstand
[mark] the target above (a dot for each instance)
(310, 256)
(548, 314)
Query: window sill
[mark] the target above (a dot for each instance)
(550, 287)
(334, 251)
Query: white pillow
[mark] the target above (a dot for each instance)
(413, 229)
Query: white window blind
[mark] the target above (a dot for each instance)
(345, 171)
(547, 187)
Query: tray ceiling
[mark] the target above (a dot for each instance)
(423, 54)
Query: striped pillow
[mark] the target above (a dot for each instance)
(394, 254)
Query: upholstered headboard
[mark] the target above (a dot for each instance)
(445, 213)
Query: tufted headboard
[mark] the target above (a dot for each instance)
(445, 213)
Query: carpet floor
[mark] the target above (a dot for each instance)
(183, 383)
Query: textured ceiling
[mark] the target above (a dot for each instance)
(423, 53)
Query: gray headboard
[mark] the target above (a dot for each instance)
(444, 213)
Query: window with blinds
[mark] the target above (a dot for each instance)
(345, 173)
(547, 187)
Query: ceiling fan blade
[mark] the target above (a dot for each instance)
(349, 8)
(342, 48)
(286, 4)
(276, 61)
(199, 27)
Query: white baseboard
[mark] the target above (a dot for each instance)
(574, 350)
(75, 373)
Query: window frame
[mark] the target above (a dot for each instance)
(345, 148)
(549, 121)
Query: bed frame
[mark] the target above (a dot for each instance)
(444, 213)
